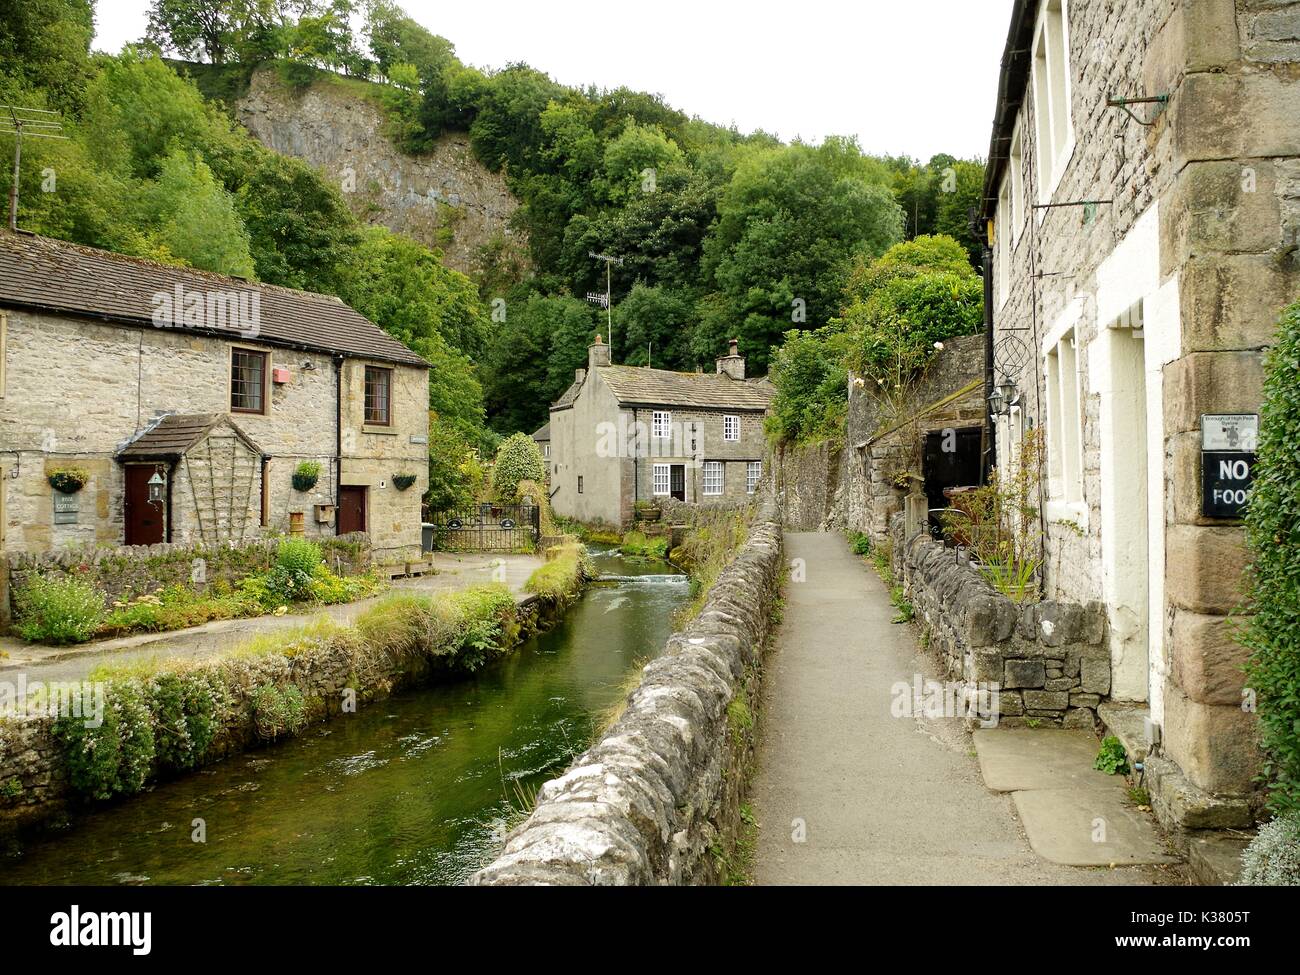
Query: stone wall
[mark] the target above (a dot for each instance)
(35, 789)
(811, 486)
(132, 570)
(444, 198)
(1049, 661)
(649, 801)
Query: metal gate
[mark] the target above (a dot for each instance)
(487, 528)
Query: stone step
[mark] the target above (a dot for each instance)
(1214, 859)
(1128, 723)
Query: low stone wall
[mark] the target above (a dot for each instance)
(652, 800)
(333, 675)
(1049, 661)
(135, 569)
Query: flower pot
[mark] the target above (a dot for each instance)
(403, 481)
(305, 482)
(68, 481)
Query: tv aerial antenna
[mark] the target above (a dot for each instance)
(34, 123)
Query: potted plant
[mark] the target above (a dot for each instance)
(68, 480)
(648, 511)
(305, 475)
(404, 481)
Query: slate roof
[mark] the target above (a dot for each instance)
(172, 435)
(637, 385)
(543, 432)
(55, 276)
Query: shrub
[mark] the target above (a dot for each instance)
(1273, 857)
(66, 610)
(278, 710)
(638, 545)
(290, 579)
(860, 543)
(184, 708)
(1111, 759)
(1272, 517)
(115, 757)
(561, 578)
(518, 459)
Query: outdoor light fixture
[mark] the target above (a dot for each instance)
(156, 488)
(1004, 396)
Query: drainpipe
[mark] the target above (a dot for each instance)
(990, 434)
(636, 459)
(338, 436)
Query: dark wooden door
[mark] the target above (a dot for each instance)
(145, 521)
(677, 481)
(952, 459)
(352, 509)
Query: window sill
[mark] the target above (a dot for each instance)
(383, 431)
(1075, 512)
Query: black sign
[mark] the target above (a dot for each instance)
(1226, 477)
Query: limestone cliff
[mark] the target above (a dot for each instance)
(444, 198)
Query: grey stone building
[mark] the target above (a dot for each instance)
(190, 399)
(1143, 204)
(622, 435)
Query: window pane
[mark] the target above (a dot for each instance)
(247, 380)
(713, 477)
(378, 395)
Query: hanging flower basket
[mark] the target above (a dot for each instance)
(404, 481)
(306, 475)
(68, 480)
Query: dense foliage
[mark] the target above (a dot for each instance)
(1272, 520)
(518, 459)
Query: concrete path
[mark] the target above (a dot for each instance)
(846, 793)
(454, 571)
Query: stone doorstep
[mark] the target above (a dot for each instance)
(1088, 828)
(1127, 722)
(1214, 858)
(1016, 759)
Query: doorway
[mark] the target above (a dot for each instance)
(952, 459)
(145, 520)
(352, 509)
(677, 482)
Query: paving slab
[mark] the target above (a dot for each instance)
(1088, 827)
(1012, 759)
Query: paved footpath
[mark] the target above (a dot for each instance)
(882, 799)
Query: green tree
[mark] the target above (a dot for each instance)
(789, 223)
(652, 326)
(811, 378)
(193, 217)
(45, 46)
(518, 459)
(211, 30)
(301, 232)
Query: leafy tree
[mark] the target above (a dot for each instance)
(212, 30)
(635, 159)
(960, 189)
(45, 46)
(300, 230)
(507, 128)
(194, 218)
(651, 323)
(811, 378)
(518, 459)
(455, 473)
(788, 225)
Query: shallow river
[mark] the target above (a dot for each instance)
(413, 790)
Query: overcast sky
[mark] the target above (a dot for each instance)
(910, 77)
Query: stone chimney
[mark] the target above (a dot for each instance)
(733, 363)
(597, 354)
(579, 375)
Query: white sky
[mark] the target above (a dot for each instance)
(910, 77)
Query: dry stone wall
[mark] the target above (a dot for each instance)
(649, 801)
(1048, 661)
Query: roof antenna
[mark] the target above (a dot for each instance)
(34, 122)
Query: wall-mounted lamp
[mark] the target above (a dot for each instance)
(156, 484)
(1004, 396)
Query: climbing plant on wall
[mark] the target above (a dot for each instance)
(1273, 530)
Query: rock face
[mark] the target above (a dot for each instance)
(652, 800)
(443, 198)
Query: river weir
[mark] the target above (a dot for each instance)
(417, 789)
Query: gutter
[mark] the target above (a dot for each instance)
(1012, 84)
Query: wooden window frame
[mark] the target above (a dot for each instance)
(266, 381)
(365, 395)
(753, 474)
(730, 421)
(666, 432)
(657, 471)
(721, 468)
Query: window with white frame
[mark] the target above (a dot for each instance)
(1002, 241)
(661, 424)
(1064, 421)
(731, 428)
(753, 474)
(661, 480)
(712, 478)
(1053, 129)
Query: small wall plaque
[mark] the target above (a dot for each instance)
(65, 508)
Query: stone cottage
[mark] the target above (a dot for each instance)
(190, 399)
(623, 435)
(1143, 204)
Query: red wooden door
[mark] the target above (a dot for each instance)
(352, 509)
(145, 521)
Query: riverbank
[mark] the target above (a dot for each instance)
(165, 718)
(658, 799)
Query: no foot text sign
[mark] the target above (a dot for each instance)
(1227, 462)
